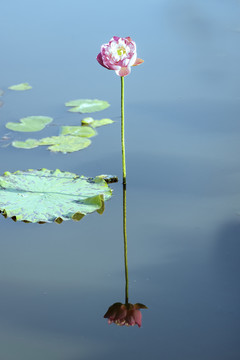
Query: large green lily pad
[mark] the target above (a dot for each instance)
(87, 105)
(62, 143)
(20, 87)
(30, 124)
(50, 196)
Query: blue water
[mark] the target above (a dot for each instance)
(183, 173)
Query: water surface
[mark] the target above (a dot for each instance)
(183, 191)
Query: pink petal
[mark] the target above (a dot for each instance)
(134, 317)
(121, 314)
(128, 38)
(138, 62)
(100, 60)
(123, 71)
(133, 58)
(130, 320)
(113, 67)
(138, 317)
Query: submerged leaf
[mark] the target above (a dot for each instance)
(50, 196)
(83, 131)
(87, 105)
(20, 87)
(30, 124)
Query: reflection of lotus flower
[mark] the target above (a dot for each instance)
(125, 314)
(119, 55)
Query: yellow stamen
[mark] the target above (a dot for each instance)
(121, 51)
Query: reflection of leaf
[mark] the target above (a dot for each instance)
(60, 143)
(1, 103)
(30, 123)
(48, 196)
(20, 87)
(87, 105)
(83, 131)
(1, 92)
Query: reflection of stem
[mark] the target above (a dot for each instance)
(122, 131)
(125, 240)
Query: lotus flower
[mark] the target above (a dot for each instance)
(125, 314)
(119, 55)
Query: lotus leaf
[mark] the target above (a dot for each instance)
(50, 196)
(20, 87)
(30, 124)
(66, 143)
(96, 123)
(87, 121)
(102, 122)
(87, 105)
(60, 143)
(28, 144)
(83, 131)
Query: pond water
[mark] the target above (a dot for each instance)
(183, 182)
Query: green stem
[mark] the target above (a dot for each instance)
(125, 240)
(122, 131)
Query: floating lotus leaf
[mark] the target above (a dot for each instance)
(20, 87)
(30, 124)
(50, 196)
(87, 105)
(96, 123)
(28, 144)
(64, 144)
(102, 122)
(87, 121)
(83, 131)
(109, 178)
